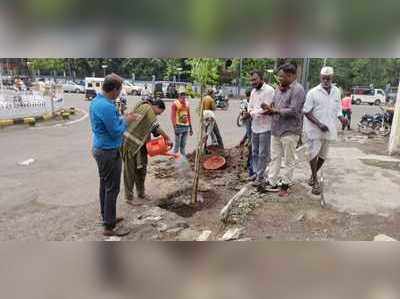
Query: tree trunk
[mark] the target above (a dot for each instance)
(198, 152)
(394, 141)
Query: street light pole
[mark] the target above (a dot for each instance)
(270, 73)
(104, 66)
(179, 69)
(240, 76)
(1, 77)
(304, 74)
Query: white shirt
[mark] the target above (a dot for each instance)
(260, 122)
(145, 92)
(326, 108)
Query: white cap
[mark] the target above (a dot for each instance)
(327, 71)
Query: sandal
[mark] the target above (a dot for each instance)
(316, 190)
(311, 182)
(133, 204)
(144, 197)
(120, 232)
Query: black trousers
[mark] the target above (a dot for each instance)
(109, 164)
(218, 136)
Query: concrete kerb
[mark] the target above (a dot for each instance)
(33, 120)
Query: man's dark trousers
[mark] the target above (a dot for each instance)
(109, 164)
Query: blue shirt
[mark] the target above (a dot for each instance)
(107, 124)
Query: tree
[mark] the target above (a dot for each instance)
(171, 68)
(48, 65)
(250, 64)
(205, 72)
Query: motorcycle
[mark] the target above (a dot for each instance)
(222, 102)
(380, 123)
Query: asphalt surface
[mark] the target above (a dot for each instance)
(64, 172)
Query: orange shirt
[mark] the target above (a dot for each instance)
(180, 113)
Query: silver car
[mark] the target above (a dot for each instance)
(71, 86)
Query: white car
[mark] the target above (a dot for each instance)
(369, 96)
(131, 89)
(71, 86)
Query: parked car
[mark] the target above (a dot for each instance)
(80, 82)
(131, 89)
(372, 96)
(71, 86)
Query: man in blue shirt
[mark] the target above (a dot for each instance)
(108, 127)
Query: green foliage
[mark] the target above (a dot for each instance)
(47, 64)
(171, 68)
(211, 71)
(205, 70)
(250, 64)
(351, 72)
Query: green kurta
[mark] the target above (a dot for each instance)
(134, 152)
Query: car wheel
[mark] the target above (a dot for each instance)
(377, 102)
(358, 102)
(77, 90)
(134, 92)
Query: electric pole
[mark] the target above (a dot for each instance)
(240, 76)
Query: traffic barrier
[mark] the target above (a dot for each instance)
(33, 120)
(30, 121)
(65, 115)
(6, 122)
(31, 105)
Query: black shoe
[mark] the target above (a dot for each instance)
(285, 187)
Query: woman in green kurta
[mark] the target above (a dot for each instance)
(134, 152)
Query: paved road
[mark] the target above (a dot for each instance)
(64, 172)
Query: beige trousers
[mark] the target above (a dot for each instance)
(283, 147)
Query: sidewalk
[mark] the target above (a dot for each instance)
(360, 183)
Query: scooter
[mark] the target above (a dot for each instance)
(222, 102)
